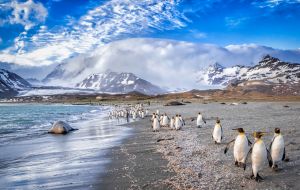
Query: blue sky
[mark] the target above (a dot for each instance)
(43, 32)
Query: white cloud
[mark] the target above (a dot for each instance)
(26, 13)
(197, 34)
(167, 63)
(233, 22)
(274, 3)
(1, 40)
(105, 23)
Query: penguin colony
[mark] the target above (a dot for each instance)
(243, 148)
(130, 112)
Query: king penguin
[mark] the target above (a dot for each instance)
(165, 120)
(156, 125)
(277, 148)
(177, 123)
(259, 156)
(218, 132)
(172, 122)
(241, 147)
(200, 120)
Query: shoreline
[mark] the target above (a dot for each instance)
(136, 164)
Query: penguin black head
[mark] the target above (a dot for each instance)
(218, 120)
(199, 113)
(176, 115)
(179, 115)
(258, 134)
(240, 130)
(277, 130)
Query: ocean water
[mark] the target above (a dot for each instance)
(30, 158)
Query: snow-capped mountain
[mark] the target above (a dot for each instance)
(269, 69)
(11, 83)
(118, 83)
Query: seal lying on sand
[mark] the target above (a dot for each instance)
(60, 127)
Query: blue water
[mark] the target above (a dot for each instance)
(30, 158)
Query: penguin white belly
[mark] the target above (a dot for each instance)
(240, 148)
(172, 124)
(277, 149)
(134, 116)
(165, 121)
(258, 157)
(199, 121)
(156, 125)
(177, 123)
(217, 134)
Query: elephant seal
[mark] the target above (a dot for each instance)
(61, 127)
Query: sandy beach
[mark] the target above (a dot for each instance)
(190, 159)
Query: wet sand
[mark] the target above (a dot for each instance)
(136, 164)
(190, 160)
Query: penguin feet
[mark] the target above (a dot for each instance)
(275, 167)
(236, 163)
(258, 178)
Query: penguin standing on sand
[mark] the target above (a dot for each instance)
(156, 125)
(165, 120)
(161, 120)
(177, 123)
(277, 148)
(259, 156)
(157, 112)
(218, 132)
(200, 120)
(172, 123)
(240, 149)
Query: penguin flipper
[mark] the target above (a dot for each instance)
(221, 132)
(228, 145)
(283, 156)
(250, 151)
(269, 158)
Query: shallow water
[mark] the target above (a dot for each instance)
(30, 158)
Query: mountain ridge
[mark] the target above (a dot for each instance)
(123, 82)
(11, 83)
(269, 69)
